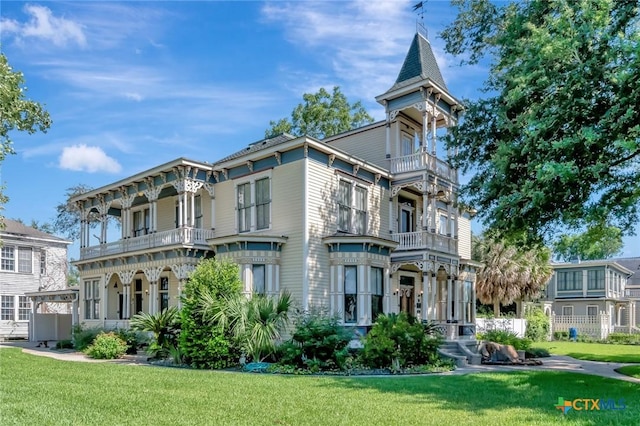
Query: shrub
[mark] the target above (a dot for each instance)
(505, 337)
(537, 353)
(397, 341)
(83, 337)
(107, 346)
(561, 335)
(64, 344)
(165, 327)
(537, 325)
(131, 338)
(204, 345)
(624, 339)
(318, 342)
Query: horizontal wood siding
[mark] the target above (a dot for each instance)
(225, 208)
(166, 213)
(369, 146)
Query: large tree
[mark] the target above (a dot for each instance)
(510, 271)
(597, 242)
(556, 140)
(16, 111)
(321, 115)
(67, 221)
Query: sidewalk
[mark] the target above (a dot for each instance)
(552, 363)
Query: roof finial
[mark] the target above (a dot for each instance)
(420, 28)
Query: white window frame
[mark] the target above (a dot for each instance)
(91, 298)
(590, 307)
(251, 208)
(263, 206)
(24, 308)
(141, 215)
(254, 282)
(163, 292)
(43, 262)
(7, 307)
(8, 258)
(443, 223)
(25, 263)
(351, 298)
(570, 308)
(375, 293)
(348, 209)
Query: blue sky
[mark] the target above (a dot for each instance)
(131, 85)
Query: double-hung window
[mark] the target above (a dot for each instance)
(43, 262)
(24, 308)
(25, 264)
(352, 208)
(376, 292)
(92, 299)
(7, 308)
(350, 294)
(263, 203)
(595, 279)
(7, 258)
(244, 207)
(259, 279)
(164, 293)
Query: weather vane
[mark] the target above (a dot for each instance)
(419, 9)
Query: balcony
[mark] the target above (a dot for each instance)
(172, 237)
(421, 161)
(632, 293)
(423, 240)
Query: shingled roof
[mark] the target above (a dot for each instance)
(18, 229)
(419, 64)
(258, 146)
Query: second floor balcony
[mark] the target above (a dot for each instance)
(185, 236)
(421, 161)
(423, 240)
(632, 293)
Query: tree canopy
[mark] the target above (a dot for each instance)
(597, 242)
(555, 143)
(16, 111)
(510, 271)
(321, 115)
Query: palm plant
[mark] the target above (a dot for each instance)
(163, 326)
(256, 323)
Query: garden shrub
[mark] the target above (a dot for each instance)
(318, 342)
(537, 353)
(623, 339)
(64, 344)
(397, 341)
(561, 335)
(107, 346)
(506, 337)
(203, 345)
(83, 337)
(132, 338)
(164, 327)
(538, 325)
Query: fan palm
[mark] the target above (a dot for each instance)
(161, 324)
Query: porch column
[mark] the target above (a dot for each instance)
(424, 299)
(152, 192)
(153, 275)
(126, 277)
(103, 210)
(433, 134)
(32, 323)
(449, 298)
(74, 311)
(425, 205)
(181, 271)
(425, 131)
(433, 295)
(434, 222)
(392, 228)
(127, 202)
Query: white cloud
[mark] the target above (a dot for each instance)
(90, 159)
(43, 25)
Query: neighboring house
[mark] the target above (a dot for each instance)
(632, 289)
(592, 295)
(364, 222)
(30, 261)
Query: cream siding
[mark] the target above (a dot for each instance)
(225, 208)
(464, 237)
(166, 213)
(369, 146)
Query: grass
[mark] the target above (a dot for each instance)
(630, 370)
(593, 351)
(44, 391)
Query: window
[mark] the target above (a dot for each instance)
(350, 294)
(164, 293)
(352, 208)
(24, 308)
(567, 310)
(377, 292)
(592, 310)
(259, 279)
(25, 264)
(595, 279)
(138, 296)
(263, 204)
(7, 258)
(141, 222)
(443, 224)
(92, 299)
(571, 280)
(43, 262)
(244, 207)
(7, 310)
(197, 201)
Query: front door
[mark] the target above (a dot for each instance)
(407, 295)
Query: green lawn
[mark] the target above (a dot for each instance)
(593, 351)
(630, 370)
(43, 391)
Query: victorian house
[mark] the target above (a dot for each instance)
(363, 222)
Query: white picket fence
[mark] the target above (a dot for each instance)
(597, 326)
(515, 325)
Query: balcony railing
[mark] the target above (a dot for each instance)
(633, 293)
(421, 161)
(425, 240)
(179, 236)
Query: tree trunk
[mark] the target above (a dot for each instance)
(496, 309)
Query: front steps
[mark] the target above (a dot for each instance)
(462, 352)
